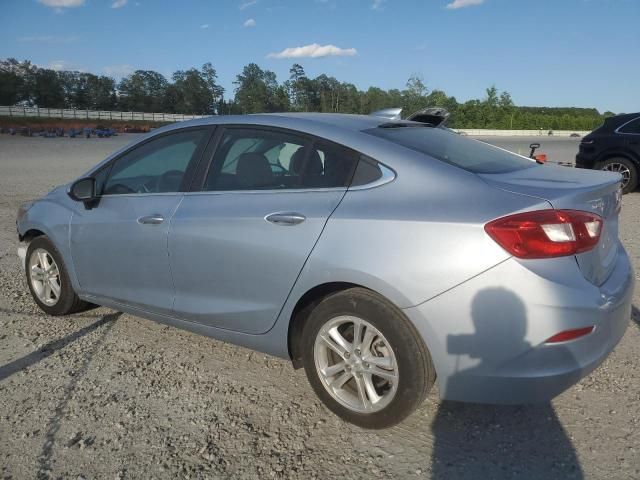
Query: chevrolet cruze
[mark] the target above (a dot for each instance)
(381, 255)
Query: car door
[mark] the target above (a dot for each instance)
(237, 246)
(119, 247)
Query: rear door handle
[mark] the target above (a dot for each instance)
(155, 219)
(286, 218)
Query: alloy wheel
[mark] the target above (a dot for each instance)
(356, 364)
(621, 169)
(45, 277)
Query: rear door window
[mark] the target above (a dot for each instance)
(632, 127)
(260, 159)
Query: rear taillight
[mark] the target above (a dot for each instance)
(546, 233)
(569, 335)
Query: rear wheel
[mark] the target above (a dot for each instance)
(365, 360)
(48, 279)
(624, 167)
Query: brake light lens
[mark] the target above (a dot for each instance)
(569, 335)
(546, 233)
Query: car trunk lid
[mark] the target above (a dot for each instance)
(574, 189)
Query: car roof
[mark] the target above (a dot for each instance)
(341, 128)
(293, 120)
(618, 120)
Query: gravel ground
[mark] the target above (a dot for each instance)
(105, 395)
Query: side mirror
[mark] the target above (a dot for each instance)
(534, 145)
(83, 190)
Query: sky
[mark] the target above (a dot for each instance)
(583, 53)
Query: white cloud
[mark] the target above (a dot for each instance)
(49, 39)
(378, 4)
(118, 3)
(247, 4)
(314, 51)
(118, 71)
(58, 65)
(204, 26)
(463, 3)
(62, 3)
(249, 23)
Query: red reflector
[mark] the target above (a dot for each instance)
(546, 233)
(570, 334)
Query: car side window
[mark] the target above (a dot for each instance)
(631, 127)
(330, 165)
(157, 166)
(368, 171)
(249, 159)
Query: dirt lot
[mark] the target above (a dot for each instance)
(104, 395)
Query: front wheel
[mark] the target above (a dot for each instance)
(624, 167)
(48, 279)
(365, 360)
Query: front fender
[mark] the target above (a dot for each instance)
(51, 216)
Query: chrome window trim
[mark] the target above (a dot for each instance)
(142, 194)
(268, 190)
(624, 125)
(388, 175)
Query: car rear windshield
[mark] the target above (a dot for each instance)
(447, 146)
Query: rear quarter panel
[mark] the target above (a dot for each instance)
(415, 237)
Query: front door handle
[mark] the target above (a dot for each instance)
(285, 219)
(155, 219)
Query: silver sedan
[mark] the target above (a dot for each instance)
(380, 255)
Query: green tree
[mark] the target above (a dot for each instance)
(258, 91)
(414, 96)
(48, 90)
(17, 82)
(143, 91)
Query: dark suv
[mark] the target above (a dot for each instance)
(614, 146)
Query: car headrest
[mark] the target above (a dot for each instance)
(314, 163)
(253, 171)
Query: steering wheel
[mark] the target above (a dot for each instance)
(119, 189)
(169, 181)
(282, 170)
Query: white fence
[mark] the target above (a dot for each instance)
(92, 114)
(178, 117)
(478, 132)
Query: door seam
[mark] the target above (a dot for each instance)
(173, 283)
(304, 264)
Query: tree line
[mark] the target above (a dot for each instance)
(196, 91)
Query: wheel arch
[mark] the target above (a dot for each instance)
(31, 234)
(307, 302)
(608, 155)
(302, 310)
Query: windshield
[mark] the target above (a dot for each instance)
(447, 146)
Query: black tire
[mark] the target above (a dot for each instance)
(416, 372)
(632, 184)
(68, 302)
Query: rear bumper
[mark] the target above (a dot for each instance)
(487, 336)
(585, 161)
